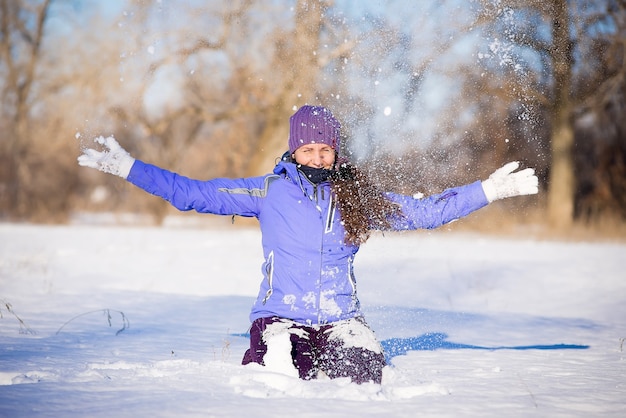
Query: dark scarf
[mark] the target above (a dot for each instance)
(315, 175)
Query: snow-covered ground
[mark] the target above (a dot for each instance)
(142, 321)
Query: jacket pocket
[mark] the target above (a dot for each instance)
(351, 277)
(269, 273)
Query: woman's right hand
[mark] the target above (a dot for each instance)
(113, 159)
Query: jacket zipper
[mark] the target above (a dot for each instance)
(327, 228)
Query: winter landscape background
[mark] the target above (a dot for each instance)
(99, 318)
(146, 321)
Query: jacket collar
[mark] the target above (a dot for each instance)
(287, 169)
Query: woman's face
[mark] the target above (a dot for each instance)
(315, 155)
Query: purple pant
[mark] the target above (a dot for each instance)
(340, 349)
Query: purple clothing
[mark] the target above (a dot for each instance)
(308, 268)
(342, 349)
(313, 125)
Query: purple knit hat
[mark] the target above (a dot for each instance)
(313, 125)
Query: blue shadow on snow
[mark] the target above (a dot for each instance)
(436, 340)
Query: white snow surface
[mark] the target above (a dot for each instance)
(146, 321)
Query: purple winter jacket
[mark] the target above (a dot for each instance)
(307, 270)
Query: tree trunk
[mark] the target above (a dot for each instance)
(19, 79)
(561, 179)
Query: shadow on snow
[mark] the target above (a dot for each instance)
(436, 340)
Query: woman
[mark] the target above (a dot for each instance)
(314, 211)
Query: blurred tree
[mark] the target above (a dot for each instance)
(399, 95)
(600, 128)
(44, 90)
(234, 87)
(561, 180)
(206, 89)
(547, 77)
(21, 35)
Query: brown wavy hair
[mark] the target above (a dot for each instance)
(363, 206)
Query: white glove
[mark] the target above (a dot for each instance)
(505, 183)
(115, 160)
